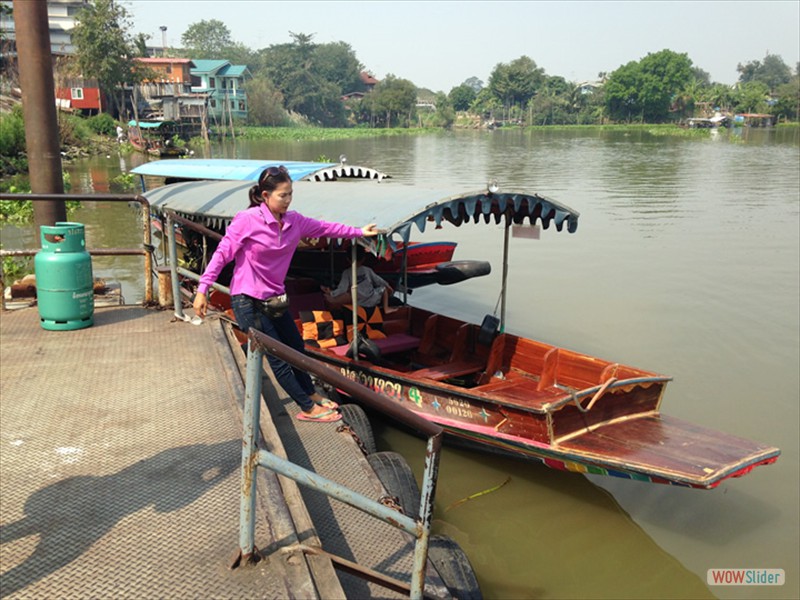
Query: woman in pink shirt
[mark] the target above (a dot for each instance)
(262, 241)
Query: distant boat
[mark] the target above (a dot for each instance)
(156, 138)
(425, 263)
(718, 120)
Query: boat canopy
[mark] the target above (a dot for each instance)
(151, 124)
(393, 206)
(250, 170)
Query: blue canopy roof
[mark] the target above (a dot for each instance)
(250, 170)
(149, 124)
(394, 207)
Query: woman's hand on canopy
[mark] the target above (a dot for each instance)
(370, 230)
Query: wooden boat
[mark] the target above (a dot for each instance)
(156, 138)
(501, 392)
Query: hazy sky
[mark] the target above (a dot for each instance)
(438, 45)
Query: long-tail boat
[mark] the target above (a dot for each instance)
(501, 392)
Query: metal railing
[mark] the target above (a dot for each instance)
(254, 457)
(146, 250)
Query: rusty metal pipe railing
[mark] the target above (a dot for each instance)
(352, 388)
(253, 457)
(146, 250)
(193, 225)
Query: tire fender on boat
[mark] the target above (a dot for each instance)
(366, 349)
(444, 553)
(398, 479)
(354, 416)
(454, 568)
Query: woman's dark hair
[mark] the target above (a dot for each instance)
(270, 178)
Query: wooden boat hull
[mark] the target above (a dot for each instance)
(646, 447)
(584, 424)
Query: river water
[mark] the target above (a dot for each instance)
(686, 262)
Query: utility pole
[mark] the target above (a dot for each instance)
(163, 29)
(42, 142)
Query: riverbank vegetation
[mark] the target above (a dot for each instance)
(79, 136)
(305, 90)
(327, 85)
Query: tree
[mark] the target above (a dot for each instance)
(140, 45)
(312, 77)
(645, 89)
(474, 83)
(462, 96)
(515, 83)
(445, 114)
(773, 72)
(104, 49)
(551, 104)
(337, 63)
(207, 39)
(751, 97)
(265, 103)
(393, 100)
(720, 96)
(787, 104)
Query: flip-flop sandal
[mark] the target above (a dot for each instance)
(329, 416)
(328, 404)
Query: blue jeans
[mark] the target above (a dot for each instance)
(295, 382)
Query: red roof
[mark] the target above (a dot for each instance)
(368, 79)
(164, 59)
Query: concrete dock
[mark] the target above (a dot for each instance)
(120, 450)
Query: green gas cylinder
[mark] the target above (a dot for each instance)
(64, 282)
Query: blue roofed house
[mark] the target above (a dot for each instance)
(224, 84)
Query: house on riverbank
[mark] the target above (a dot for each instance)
(223, 84)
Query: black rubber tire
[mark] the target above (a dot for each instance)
(454, 568)
(355, 417)
(448, 273)
(398, 479)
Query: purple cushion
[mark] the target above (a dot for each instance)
(397, 342)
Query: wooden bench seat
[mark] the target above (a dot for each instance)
(448, 370)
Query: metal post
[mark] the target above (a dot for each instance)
(39, 108)
(429, 478)
(354, 298)
(148, 245)
(252, 411)
(503, 290)
(173, 265)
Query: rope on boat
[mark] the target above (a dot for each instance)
(596, 396)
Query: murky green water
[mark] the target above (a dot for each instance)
(686, 262)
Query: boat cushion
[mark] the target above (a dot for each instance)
(369, 321)
(321, 329)
(397, 342)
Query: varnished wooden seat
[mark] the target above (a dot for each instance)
(448, 370)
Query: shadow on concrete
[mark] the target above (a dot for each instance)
(71, 515)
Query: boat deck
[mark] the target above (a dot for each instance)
(120, 466)
(691, 454)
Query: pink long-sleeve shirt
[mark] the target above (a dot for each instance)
(263, 250)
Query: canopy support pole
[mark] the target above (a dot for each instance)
(354, 297)
(503, 288)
